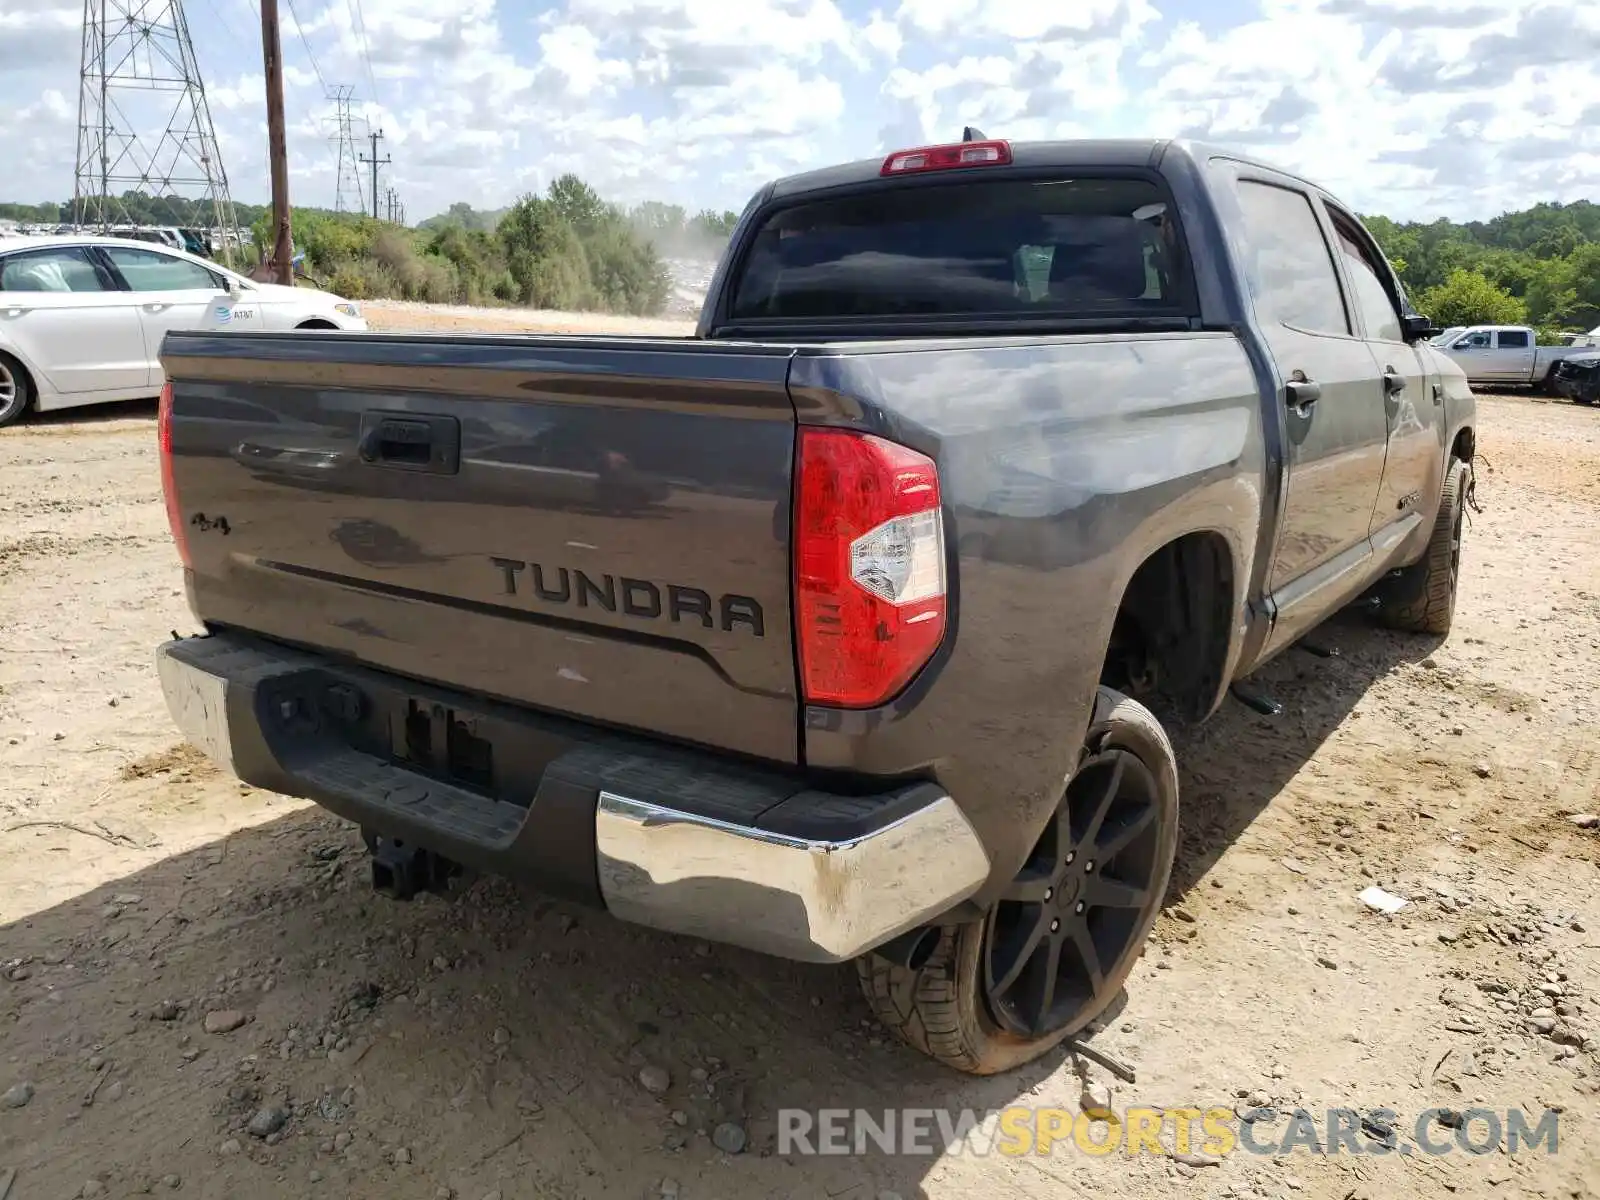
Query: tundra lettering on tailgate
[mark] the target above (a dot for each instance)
(640, 598)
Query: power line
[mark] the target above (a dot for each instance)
(227, 26)
(359, 22)
(300, 29)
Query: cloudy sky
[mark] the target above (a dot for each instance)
(1414, 108)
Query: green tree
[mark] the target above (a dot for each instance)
(655, 219)
(626, 274)
(580, 205)
(1552, 294)
(462, 215)
(1584, 262)
(1468, 298)
(545, 255)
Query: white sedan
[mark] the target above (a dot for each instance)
(82, 318)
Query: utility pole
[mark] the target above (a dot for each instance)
(376, 162)
(388, 204)
(282, 260)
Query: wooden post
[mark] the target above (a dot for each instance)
(282, 254)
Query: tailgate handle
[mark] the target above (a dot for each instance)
(411, 442)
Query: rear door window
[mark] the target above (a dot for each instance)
(59, 269)
(1291, 269)
(1070, 247)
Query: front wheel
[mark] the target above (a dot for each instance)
(1054, 951)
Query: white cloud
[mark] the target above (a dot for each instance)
(1411, 107)
(35, 34)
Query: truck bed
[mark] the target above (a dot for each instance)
(594, 527)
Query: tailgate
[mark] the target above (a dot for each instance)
(597, 527)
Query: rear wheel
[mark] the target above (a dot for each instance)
(16, 390)
(1054, 951)
(1422, 598)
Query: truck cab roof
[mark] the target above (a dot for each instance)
(1101, 153)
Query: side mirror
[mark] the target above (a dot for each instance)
(1416, 328)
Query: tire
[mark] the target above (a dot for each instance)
(1422, 598)
(946, 1008)
(16, 390)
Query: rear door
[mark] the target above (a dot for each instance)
(1332, 399)
(596, 527)
(1514, 355)
(169, 292)
(64, 315)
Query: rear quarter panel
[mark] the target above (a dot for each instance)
(1064, 464)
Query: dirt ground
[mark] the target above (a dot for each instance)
(493, 1046)
(400, 315)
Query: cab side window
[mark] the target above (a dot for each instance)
(1514, 339)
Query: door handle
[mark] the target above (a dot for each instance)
(410, 442)
(156, 306)
(1393, 382)
(1303, 393)
(15, 310)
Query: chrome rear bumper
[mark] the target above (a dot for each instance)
(799, 898)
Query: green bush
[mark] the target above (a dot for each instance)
(349, 281)
(330, 241)
(440, 283)
(504, 287)
(626, 275)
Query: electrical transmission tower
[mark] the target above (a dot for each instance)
(348, 189)
(143, 120)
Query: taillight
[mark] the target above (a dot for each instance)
(942, 158)
(869, 567)
(168, 487)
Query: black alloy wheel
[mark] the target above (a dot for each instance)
(1079, 908)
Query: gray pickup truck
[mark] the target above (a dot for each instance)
(839, 629)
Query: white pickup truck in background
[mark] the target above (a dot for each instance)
(1508, 354)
